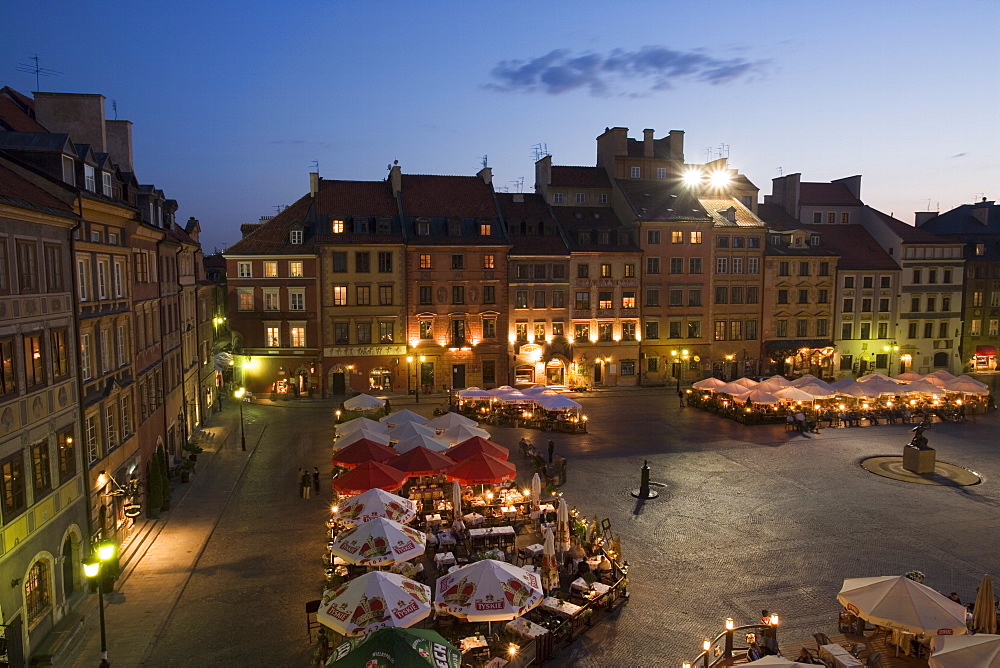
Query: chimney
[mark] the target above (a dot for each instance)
(120, 143)
(981, 212)
(676, 139)
(486, 174)
(612, 142)
(853, 184)
(519, 198)
(921, 217)
(396, 179)
(81, 115)
(313, 183)
(543, 175)
(647, 143)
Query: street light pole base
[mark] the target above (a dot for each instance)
(650, 494)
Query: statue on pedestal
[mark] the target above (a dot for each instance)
(919, 441)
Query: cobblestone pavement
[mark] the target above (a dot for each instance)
(750, 517)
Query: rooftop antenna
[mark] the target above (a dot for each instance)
(539, 151)
(708, 154)
(484, 160)
(781, 172)
(928, 203)
(978, 197)
(114, 107)
(315, 166)
(723, 150)
(519, 182)
(37, 70)
(277, 208)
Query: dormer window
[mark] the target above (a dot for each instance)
(88, 178)
(485, 229)
(383, 225)
(603, 238)
(814, 240)
(295, 237)
(454, 227)
(337, 226)
(361, 224)
(423, 227)
(775, 239)
(69, 175)
(106, 183)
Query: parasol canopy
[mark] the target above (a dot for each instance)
(748, 383)
(363, 402)
(966, 386)
(390, 647)
(379, 542)
(515, 397)
(776, 382)
(535, 389)
(942, 374)
(562, 526)
(984, 613)
(883, 384)
(481, 469)
(897, 602)
(844, 383)
(421, 461)
(406, 430)
(360, 423)
(793, 394)
(451, 419)
(870, 376)
(487, 591)
(423, 440)
(369, 475)
(859, 391)
(923, 387)
(819, 390)
(361, 451)
(405, 415)
(536, 491)
(358, 434)
(731, 388)
(554, 402)
(376, 503)
(373, 601)
(474, 394)
(461, 433)
(550, 567)
(475, 445)
(709, 383)
(908, 377)
(804, 380)
(981, 651)
(757, 396)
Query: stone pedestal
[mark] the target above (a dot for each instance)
(919, 461)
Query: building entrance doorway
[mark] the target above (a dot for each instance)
(457, 376)
(555, 372)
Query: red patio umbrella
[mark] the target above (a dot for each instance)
(362, 451)
(421, 461)
(476, 445)
(370, 475)
(481, 469)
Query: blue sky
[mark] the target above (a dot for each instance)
(232, 102)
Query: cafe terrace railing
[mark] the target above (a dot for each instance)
(723, 647)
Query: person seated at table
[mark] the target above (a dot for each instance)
(583, 571)
(888, 416)
(954, 596)
(458, 526)
(804, 656)
(754, 652)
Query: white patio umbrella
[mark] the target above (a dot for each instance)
(843, 383)
(897, 602)
(757, 396)
(555, 402)
(357, 435)
(979, 651)
(449, 420)
(819, 391)
(474, 394)
(908, 377)
(793, 394)
(535, 389)
(984, 612)
(361, 423)
(406, 430)
(405, 415)
(372, 601)
(935, 380)
(456, 500)
(498, 392)
(731, 388)
(363, 402)
(462, 433)
(748, 383)
(971, 380)
(487, 591)
(709, 383)
(562, 526)
(869, 376)
(804, 380)
(922, 387)
(966, 386)
(550, 567)
(514, 397)
(942, 374)
(859, 391)
(883, 384)
(776, 382)
(376, 503)
(536, 492)
(431, 443)
(379, 542)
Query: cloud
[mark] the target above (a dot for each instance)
(654, 68)
(959, 155)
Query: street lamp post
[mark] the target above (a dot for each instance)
(239, 394)
(416, 370)
(96, 568)
(890, 351)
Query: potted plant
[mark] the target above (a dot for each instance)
(194, 449)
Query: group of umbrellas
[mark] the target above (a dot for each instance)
(776, 389)
(538, 395)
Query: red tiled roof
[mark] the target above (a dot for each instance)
(857, 248)
(532, 207)
(436, 196)
(355, 197)
(272, 236)
(776, 217)
(532, 210)
(661, 201)
(908, 233)
(826, 194)
(581, 177)
(15, 187)
(13, 117)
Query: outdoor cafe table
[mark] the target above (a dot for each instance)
(472, 519)
(444, 559)
(589, 591)
(562, 608)
(529, 630)
(838, 655)
(503, 535)
(535, 550)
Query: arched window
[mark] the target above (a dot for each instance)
(940, 359)
(37, 593)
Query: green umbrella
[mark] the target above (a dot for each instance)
(395, 647)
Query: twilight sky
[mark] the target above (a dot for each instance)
(233, 101)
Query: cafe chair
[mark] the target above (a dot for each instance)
(312, 607)
(873, 660)
(856, 649)
(821, 639)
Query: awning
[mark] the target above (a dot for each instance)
(795, 344)
(986, 351)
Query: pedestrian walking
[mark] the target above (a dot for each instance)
(552, 449)
(316, 479)
(218, 400)
(680, 397)
(305, 482)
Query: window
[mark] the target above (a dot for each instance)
(866, 305)
(243, 270)
(803, 296)
(994, 299)
(296, 299)
(652, 364)
(37, 594)
(883, 330)
(271, 299)
(674, 329)
(831, 217)
(942, 329)
(661, 172)
(245, 299)
(60, 354)
(945, 279)
(783, 269)
(557, 198)
(737, 265)
(916, 276)
(782, 296)
(90, 438)
(694, 329)
(489, 262)
(911, 331)
(27, 266)
(339, 261)
(735, 330)
(102, 280)
(85, 357)
(994, 327)
(425, 294)
(604, 331)
(458, 294)
(117, 279)
(848, 305)
(867, 282)
(750, 330)
(295, 269)
(847, 330)
(605, 270)
(980, 249)
(539, 332)
(521, 299)
(604, 300)
(385, 262)
(803, 269)
(489, 294)
(485, 229)
(489, 328)
(652, 236)
(753, 294)
(781, 328)
(89, 182)
(539, 299)
(977, 298)
(295, 237)
(111, 426)
(753, 265)
(721, 294)
(821, 327)
(34, 362)
(297, 336)
(915, 304)
(695, 237)
(628, 299)
(602, 198)
(848, 282)
(581, 331)
(883, 305)
(582, 301)
(845, 218)
(385, 332)
(676, 237)
(652, 329)
(557, 329)
(823, 297)
(385, 295)
(521, 331)
(362, 295)
(67, 456)
(652, 265)
(581, 198)
(676, 265)
(802, 328)
(628, 367)
(675, 297)
(12, 486)
(337, 226)
(928, 330)
(340, 295)
(53, 269)
(722, 242)
(636, 172)
(270, 269)
(582, 270)
(722, 265)
(457, 261)
(946, 304)
(425, 260)
(41, 471)
(720, 330)
(272, 336)
(652, 297)
(341, 333)
(694, 296)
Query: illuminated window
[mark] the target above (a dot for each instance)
(340, 295)
(298, 337)
(337, 226)
(977, 298)
(425, 261)
(628, 299)
(37, 593)
(676, 237)
(720, 330)
(604, 300)
(270, 269)
(246, 300)
(385, 332)
(581, 331)
(605, 271)
(295, 269)
(604, 331)
(628, 331)
(488, 262)
(695, 237)
(485, 229)
(539, 332)
(244, 270)
(12, 483)
(521, 331)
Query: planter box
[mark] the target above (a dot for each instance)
(919, 461)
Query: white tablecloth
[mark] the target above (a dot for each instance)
(839, 656)
(526, 628)
(564, 608)
(493, 531)
(444, 559)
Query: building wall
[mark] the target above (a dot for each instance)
(735, 299)
(931, 333)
